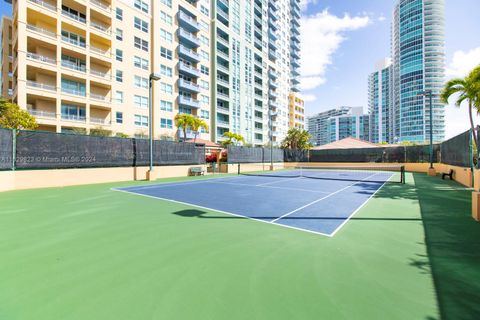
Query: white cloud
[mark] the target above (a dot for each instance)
(382, 18)
(304, 3)
(321, 36)
(457, 120)
(309, 97)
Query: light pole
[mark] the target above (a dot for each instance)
(272, 114)
(153, 77)
(429, 94)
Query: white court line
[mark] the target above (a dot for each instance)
(264, 186)
(360, 207)
(323, 198)
(167, 184)
(221, 211)
(276, 181)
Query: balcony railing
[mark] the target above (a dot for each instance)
(45, 4)
(74, 66)
(223, 123)
(42, 86)
(100, 27)
(189, 102)
(74, 16)
(41, 30)
(99, 97)
(74, 42)
(100, 121)
(188, 85)
(100, 74)
(101, 4)
(38, 57)
(42, 114)
(74, 92)
(99, 51)
(73, 117)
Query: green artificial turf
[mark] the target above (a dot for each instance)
(88, 252)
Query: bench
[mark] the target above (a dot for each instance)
(196, 171)
(450, 174)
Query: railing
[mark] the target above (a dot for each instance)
(74, 42)
(223, 95)
(186, 17)
(74, 16)
(100, 27)
(100, 121)
(73, 117)
(186, 66)
(186, 83)
(223, 82)
(98, 97)
(189, 101)
(99, 74)
(73, 66)
(182, 32)
(224, 109)
(41, 30)
(98, 50)
(38, 85)
(223, 40)
(34, 56)
(74, 92)
(223, 123)
(42, 114)
(101, 4)
(190, 52)
(45, 4)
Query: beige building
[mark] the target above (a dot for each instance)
(6, 59)
(296, 111)
(79, 65)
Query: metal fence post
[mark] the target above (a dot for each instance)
(14, 148)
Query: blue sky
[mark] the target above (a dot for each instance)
(349, 36)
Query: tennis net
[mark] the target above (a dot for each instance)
(366, 173)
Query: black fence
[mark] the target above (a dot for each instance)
(253, 154)
(47, 150)
(457, 151)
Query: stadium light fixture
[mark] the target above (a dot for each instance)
(429, 93)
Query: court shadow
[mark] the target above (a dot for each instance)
(190, 213)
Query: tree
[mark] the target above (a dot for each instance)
(233, 138)
(12, 117)
(297, 139)
(101, 132)
(468, 89)
(196, 125)
(184, 121)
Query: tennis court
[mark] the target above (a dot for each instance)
(313, 199)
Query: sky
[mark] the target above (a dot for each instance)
(343, 39)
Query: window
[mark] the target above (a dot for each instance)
(141, 121)
(165, 35)
(73, 87)
(140, 24)
(205, 11)
(166, 105)
(166, 123)
(119, 117)
(164, 52)
(204, 70)
(141, 44)
(140, 101)
(204, 26)
(119, 76)
(141, 82)
(204, 114)
(204, 54)
(119, 34)
(119, 55)
(119, 96)
(166, 18)
(205, 99)
(166, 88)
(140, 63)
(204, 40)
(142, 5)
(166, 71)
(204, 84)
(185, 110)
(73, 38)
(119, 14)
(168, 3)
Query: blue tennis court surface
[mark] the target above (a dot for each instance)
(318, 203)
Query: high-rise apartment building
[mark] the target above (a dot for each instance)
(253, 66)
(296, 111)
(6, 58)
(318, 125)
(80, 65)
(355, 124)
(380, 102)
(418, 52)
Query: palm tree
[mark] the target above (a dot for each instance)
(184, 121)
(297, 139)
(196, 125)
(232, 138)
(468, 89)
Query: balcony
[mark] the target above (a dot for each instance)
(104, 53)
(99, 97)
(188, 86)
(223, 55)
(74, 17)
(223, 41)
(272, 94)
(42, 114)
(188, 38)
(41, 31)
(223, 68)
(40, 58)
(272, 44)
(73, 117)
(272, 74)
(74, 42)
(272, 14)
(188, 102)
(273, 84)
(188, 54)
(100, 74)
(74, 92)
(222, 16)
(100, 27)
(100, 121)
(223, 123)
(189, 70)
(187, 22)
(295, 11)
(41, 86)
(294, 45)
(223, 110)
(45, 4)
(272, 54)
(223, 96)
(223, 82)
(101, 5)
(295, 63)
(74, 66)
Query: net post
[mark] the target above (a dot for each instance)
(238, 168)
(402, 174)
(14, 148)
